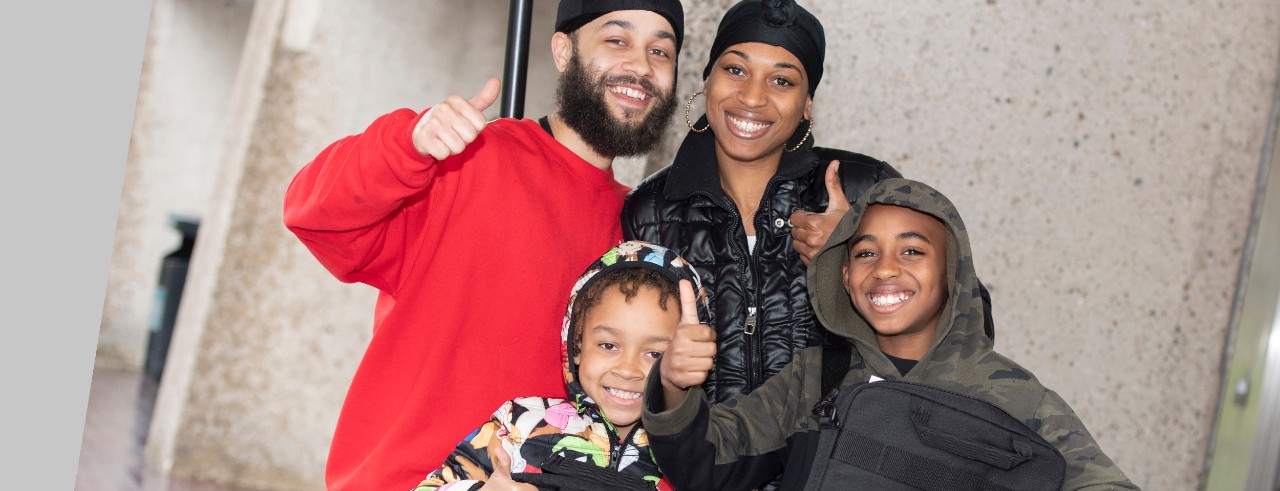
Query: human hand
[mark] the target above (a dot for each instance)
(692, 351)
(453, 124)
(500, 478)
(810, 230)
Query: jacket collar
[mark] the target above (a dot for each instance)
(694, 171)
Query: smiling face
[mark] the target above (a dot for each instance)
(897, 277)
(621, 339)
(757, 94)
(617, 84)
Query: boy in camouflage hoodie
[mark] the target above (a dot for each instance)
(621, 314)
(897, 280)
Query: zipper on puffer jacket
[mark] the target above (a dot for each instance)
(755, 344)
(751, 323)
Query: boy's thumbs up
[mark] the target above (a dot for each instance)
(835, 192)
(810, 230)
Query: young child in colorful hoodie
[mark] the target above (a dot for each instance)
(620, 318)
(896, 279)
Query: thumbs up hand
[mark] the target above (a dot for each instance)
(810, 230)
(692, 351)
(453, 124)
(500, 478)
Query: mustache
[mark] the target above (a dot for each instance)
(644, 83)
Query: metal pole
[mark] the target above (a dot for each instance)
(517, 64)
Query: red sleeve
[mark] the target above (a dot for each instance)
(356, 206)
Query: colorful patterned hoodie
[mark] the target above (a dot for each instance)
(533, 429)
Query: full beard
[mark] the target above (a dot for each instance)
(582, 107)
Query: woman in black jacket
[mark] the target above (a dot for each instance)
(743, 173)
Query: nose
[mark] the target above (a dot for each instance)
(630, 368)
(887, 267)
(752, 93)
(637, 62)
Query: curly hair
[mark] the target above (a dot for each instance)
(628, 281)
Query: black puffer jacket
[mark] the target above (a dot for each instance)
(760, 303)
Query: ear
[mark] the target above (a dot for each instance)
(844, 278)
(561, 50)
(808, 109)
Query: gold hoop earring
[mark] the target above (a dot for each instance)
(687, 107)
(806, 136)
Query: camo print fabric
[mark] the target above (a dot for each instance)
(775, 423)
(961, 358)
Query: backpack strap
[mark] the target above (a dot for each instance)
(545, 123)
(836, 353)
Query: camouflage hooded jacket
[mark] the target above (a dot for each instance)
(533, 429)
(738, 444)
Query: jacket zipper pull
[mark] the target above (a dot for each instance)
(750, 327)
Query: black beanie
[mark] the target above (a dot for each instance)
(780, 23)
(573, 14)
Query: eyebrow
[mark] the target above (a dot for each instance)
(904, 235)
(660, 33)
(650, 339)
(780, 64)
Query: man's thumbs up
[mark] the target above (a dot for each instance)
(453, 124)
(810, 230)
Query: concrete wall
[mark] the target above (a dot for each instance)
(188, 71)
(1104, 156)
(1102, 153)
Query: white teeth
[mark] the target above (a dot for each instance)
(747, 126)
(622, 394)
(890, 298)
(629, 92)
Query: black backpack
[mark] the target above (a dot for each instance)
(892, 435)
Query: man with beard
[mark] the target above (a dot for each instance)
(432, 209)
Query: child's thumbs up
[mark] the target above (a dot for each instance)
(500, 478)
(692, 351)
(810, 230)
(688, 303)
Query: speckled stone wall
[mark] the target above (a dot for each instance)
(1103, 155)
(179, 124)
